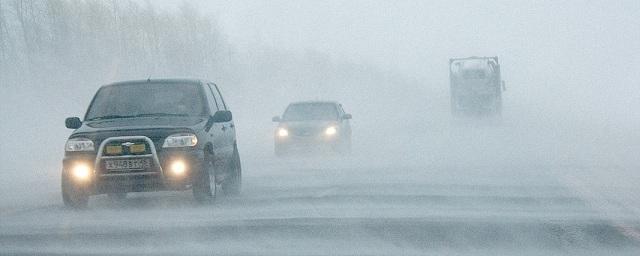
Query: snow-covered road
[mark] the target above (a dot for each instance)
(343, 206)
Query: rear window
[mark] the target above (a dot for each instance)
(147, 99)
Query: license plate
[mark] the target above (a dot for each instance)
(128, 164)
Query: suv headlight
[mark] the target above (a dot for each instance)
(180, 140)
(79, 144)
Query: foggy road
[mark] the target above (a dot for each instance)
(342, 206)
(529, 148)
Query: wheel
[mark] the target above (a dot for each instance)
(232, 185)
(346, 146)
(117, 196)
(279, 151)
(73, 196)
(204, 182)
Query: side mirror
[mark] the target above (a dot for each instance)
(222, 116)
(347, 116)
(276, 119)
(73, 123)
(504, 87)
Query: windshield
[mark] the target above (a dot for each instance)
(148, 99)
(473, 74)
(310, 111)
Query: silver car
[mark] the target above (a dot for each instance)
(311, 126)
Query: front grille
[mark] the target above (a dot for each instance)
(127, 148)
(305, 132)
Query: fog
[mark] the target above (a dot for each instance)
(569, 123)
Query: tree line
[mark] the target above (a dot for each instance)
(108, 40)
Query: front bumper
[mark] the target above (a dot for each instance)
(304, 144)
(157, 177)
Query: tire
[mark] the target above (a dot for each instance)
(117, 196)
(233, 184)
(72, 196)
(346, 146)
(204, 184)
(279, 151)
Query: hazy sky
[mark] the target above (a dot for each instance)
(562, 51)
(414, 35)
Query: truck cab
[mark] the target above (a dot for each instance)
(476, 86)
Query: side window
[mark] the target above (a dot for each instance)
(213, 107)
(341, 111)
(218, 97)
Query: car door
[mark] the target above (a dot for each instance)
(216, 132)
(228, 128)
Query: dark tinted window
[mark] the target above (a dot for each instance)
(341, 110)
(213, 106)
(310, 111)
(220, 96)
(147, 99)
(217, 97)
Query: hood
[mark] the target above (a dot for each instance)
(156, 128)
(140, 123)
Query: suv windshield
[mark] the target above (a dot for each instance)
(148, 99)
(310, 111)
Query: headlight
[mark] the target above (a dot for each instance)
(282, 132)
(180, 140)
(79, 144)
(331, 131)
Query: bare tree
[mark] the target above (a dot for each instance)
(3, 34)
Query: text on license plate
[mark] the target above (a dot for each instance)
(128, 164)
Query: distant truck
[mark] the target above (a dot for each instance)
(476, 86)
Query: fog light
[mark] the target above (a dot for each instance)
(81, 172)
(178, 168)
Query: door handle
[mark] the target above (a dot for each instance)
(224, 128)
(232, 126)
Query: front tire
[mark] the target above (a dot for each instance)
(204, 183)
(233, 183)
(73, 196)
(279, 150)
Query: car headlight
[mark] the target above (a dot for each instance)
(331, 130)
(79, 144)
(180, 140)
(282, 132)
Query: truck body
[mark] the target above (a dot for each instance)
(476, 86)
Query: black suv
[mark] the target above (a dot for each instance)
(152, 135)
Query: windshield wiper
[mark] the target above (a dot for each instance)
(133, 116)
(159, 114)
(109, 117)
